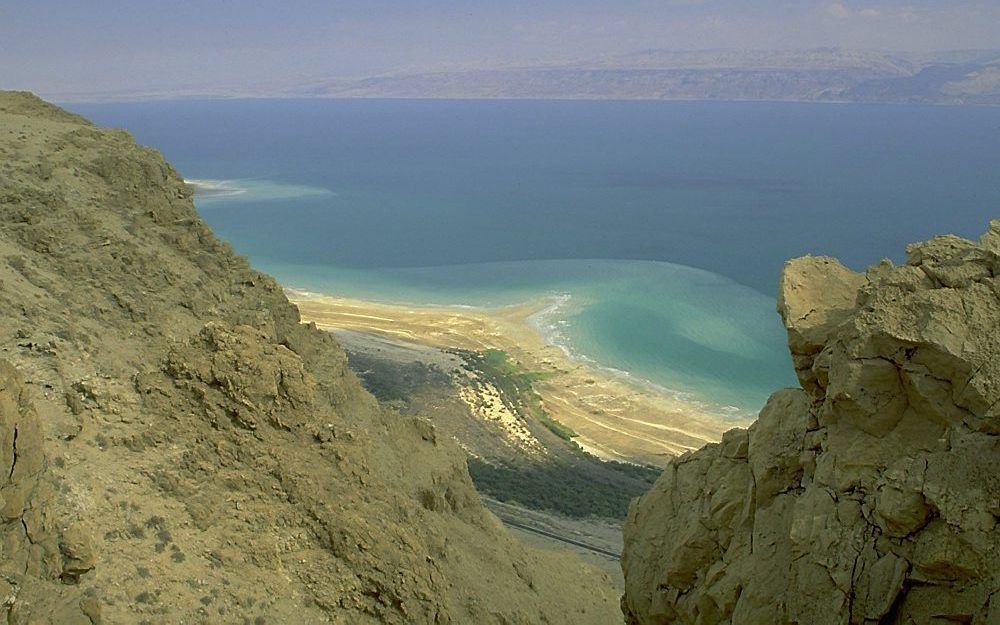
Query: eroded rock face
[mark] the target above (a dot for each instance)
(869, 495)
(212, 460)
(39, 555)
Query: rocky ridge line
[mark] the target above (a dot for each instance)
(210, 458)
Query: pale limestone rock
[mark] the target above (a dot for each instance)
(776, 442)
(816, 295)
(870, 496)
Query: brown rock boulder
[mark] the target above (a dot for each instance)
(817, 294)
(33, 553)
(871, 496)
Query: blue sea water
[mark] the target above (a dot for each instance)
(658, 228)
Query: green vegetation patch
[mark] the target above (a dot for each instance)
(581, 487)
(566, 480)
(515, 384)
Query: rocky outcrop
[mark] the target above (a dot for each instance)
(211, 459)
(42, 557)
(870, 494)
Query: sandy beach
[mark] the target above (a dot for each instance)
(614, 417)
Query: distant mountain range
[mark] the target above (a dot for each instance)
(808, 75)
(815, 75)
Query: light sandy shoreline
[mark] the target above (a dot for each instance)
(615, 417)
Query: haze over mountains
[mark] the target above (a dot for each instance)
(819, 74)
(823, 74)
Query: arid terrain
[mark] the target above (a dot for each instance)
(613, 417)
(179, 448)
(532, 475)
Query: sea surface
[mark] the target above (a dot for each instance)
(656, 230)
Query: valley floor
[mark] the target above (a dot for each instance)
(611, 416)
(513, 402)
(598, 541)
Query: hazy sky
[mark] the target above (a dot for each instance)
(64, 46)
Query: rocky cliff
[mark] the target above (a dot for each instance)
(869, 495)
(175, 447)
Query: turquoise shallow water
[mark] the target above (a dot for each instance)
(613, 204)
(685, 329)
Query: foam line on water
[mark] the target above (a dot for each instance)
(682, 331)
(209, 191)
(206, 189)
(551, 322)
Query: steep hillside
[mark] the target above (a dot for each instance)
(207, 457)
(868, 495)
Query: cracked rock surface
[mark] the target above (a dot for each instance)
(869, 495)
(34, 570)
